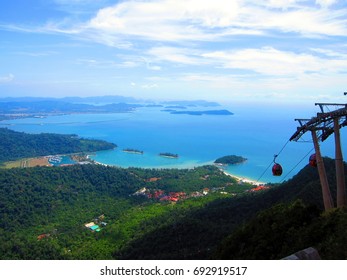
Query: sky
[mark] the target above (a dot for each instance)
(220, 50)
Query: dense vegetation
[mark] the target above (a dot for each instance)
(195, 213)
(201, 231)
(231, 159)
(15, 145)
(169, 155)
(54, 203)
(130, 150)
(285, 229)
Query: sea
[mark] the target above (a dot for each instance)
(257, 132)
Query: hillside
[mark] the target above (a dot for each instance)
(16, 145)
(44, 210)
(292, 225)
(285, 229)
(195, 213)
(201, 231)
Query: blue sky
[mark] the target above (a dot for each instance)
(247, 50)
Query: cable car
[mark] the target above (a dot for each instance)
(313, 160)
(277, 170)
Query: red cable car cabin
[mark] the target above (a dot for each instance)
(313, 160)
(277, 170)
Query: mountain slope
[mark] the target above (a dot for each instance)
(285, 229)
(199, 233)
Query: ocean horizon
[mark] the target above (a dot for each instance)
(254, 132)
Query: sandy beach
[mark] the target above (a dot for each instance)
(245, 180)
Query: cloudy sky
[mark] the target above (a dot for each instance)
(222, 50)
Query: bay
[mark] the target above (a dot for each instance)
(256, 132)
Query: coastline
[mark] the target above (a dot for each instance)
(168, 156)
(243, 179)
(191, 166)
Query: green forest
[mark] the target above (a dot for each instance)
(56, 202)
(44, 210)
(231, 159)
(99, 212)
(16, 145)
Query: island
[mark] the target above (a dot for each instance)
(133, 151)
(230, 159)
(169, 155)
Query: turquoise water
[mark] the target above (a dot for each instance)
(254, 132)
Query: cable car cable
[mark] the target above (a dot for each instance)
(283, 147)
(275, 156)
(264, 171)
(297, 165)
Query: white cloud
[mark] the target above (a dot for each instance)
(6, 79)
(149, 86)
(197, 20)
(162, 20)
(173, 20)
(248, 87)
(110, 63)
(270, 61)
(329, 53)
(308, 22)
(283, 4)
(326, 3)
(176, 55)
(128, 64)
(236, 44)
(265, 61)
(154, 67)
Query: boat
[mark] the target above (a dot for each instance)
(54, 159)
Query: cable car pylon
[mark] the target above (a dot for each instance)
(340, 171)
(324, 124)
(338, 120)
(327, 199)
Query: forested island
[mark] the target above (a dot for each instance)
(169, 155)
(230, 159)
(17, 145)
(132, 151)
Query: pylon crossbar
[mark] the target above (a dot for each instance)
(321, 105)
(323, 122)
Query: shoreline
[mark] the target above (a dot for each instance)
(243, 179)
(238, 178)
(167, 156)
